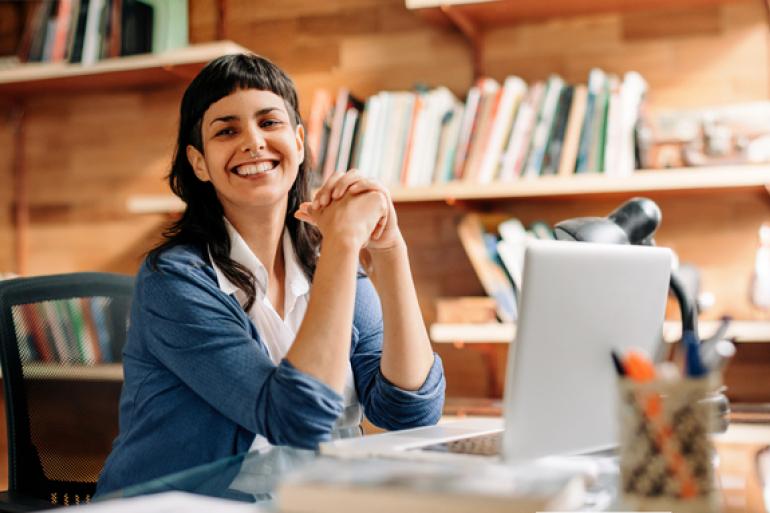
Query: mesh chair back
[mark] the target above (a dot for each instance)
(61, 339)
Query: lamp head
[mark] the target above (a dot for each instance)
(633, 222)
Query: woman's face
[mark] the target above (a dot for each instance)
(251, 151)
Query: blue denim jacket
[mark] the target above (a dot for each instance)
(199, 384)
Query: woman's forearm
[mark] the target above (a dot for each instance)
(406, 353)
(322, 345)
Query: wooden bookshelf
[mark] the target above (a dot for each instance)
(688, 180)
(503, 333)
(136, 71)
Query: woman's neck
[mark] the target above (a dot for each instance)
(263, 233)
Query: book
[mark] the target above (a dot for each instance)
(492, 277)
(101, 318)
(516, 150)
(479, 137)
(24, 337)
(596, 79)
(466, 129)
(543, 127)
(569, 151)
(91, 335)
(438, 104)
(599, 127)
(631, 98)
(511, 248)
(344, 101)
(64, 19)
(75, 52)
(395, 136)
(552, 156)
(514, 89)
(135, 28)
(370, 122)
(319, 112)
(39, 337)
(28, 51)
(383, 486)
(169, 24)
(349, 127)
(91, 35)
(450, 131)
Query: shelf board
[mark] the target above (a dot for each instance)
(503, 333)
(100, 372)
(684, 179)
(491, 13)
(745, 177)
(173, 66)
(154, 204)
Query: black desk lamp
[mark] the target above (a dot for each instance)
(633, 222)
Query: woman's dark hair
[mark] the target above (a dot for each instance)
(202, 224)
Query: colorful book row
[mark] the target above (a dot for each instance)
(84, 31)
(69, 331)
(500, 133)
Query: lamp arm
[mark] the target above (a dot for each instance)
(686, 307)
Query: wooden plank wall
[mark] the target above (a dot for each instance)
(87, 153)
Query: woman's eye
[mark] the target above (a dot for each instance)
(225, 131)
(271, 122)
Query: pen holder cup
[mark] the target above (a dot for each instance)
(666, 454)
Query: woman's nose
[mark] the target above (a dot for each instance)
(254, 140)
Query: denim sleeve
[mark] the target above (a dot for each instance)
(386, 405)
(200, 335)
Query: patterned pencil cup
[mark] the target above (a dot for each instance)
(666, 454)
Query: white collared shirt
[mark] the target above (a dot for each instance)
(278, 334)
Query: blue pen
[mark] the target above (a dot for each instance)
(694, 367)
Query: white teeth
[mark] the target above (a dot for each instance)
(253, 169)
(265, 166)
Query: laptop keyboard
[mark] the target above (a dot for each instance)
(482, 445)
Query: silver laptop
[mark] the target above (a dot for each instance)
(578, 302)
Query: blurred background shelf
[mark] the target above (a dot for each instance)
(136, 71)
(100, 372)
(495, 13)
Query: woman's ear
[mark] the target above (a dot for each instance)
(198, 163)
(300, 137)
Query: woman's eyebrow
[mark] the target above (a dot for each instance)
(224, 119)
(231, 117)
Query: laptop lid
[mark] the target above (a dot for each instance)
(578, 301)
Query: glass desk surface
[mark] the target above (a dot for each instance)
(255, 476)
(743, 458)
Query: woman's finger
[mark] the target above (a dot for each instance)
(378, 231)
(305, 217)
(351, 178)
(321, 198)
(363, 185)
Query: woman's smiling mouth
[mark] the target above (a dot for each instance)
(252, 168)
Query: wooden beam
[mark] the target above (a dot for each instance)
(20, 189)
(221, 19)
(472, 34)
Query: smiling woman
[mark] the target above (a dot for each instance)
(252, 323)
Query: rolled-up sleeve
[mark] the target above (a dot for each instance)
(386, 405)
(201, 335)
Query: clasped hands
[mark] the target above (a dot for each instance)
(351, 209)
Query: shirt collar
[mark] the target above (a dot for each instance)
(296, 281)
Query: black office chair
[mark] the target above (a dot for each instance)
(61, 339)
